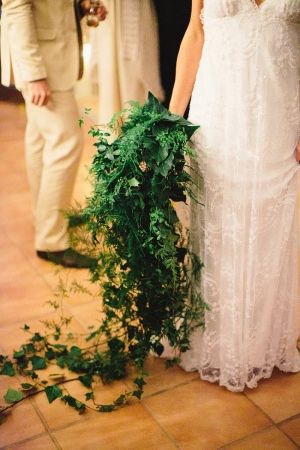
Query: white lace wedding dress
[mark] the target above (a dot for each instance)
(246, 100)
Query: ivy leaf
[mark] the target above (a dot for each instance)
(37, 337)
(162, 154)
(76, 404)
(38, 362)
(75, 351)
(138, 394)
(89, 396)
(190, 130)
(28, 387)
(19, 354)
(12, 395)
(60, 347)
(8, 369)
(154, 105)
(116, 345)
(158, 348)
(133, 182)
(50, 354)
(53, 392)
(61, 361)
(140, 382)
(86, 380)
(28, 348)
(166, 165)
(106, 408)
(121, 400)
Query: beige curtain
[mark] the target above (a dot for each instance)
(125, 55)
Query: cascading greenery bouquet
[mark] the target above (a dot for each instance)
(143, 262)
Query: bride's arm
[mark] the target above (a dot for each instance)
(188, 61)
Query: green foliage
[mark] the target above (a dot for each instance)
(53, 392)
(144, 264)
(8, 369)
(38, 363)
(76, 404)
(12, 395)
(28, 387)
(86, 380)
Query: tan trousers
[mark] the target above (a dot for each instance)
(53, 144)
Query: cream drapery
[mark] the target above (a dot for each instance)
(125, 55)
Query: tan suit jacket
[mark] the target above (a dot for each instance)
(39, 39)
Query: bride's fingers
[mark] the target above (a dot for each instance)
(102, 12)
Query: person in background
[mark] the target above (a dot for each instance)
(125, 55)
(41, 54)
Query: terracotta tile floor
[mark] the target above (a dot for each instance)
(178, 411)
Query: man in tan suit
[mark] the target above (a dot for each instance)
(41, 51)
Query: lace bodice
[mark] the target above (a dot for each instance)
(281, 9)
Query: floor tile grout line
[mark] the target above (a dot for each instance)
(14, 324)
(287, 435)
(260, 409)
(23, 441)
(272, 425)
(67, 307)
(86, 418)
(40, 275)
(162, 391)
(29, 262)
(162, 428)
(59, 271)
(45, 424)
(275, 424)
(244, 438)
(289, 419)
(51, 430)
(83, 418)
(189, 382)
(266, 414)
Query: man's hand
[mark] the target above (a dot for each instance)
(101, 9)
(39, 92)
(297, 152)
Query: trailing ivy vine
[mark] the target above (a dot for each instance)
(143, 263)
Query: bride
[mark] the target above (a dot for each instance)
(245, 96)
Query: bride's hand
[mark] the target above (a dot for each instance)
(297, 152)
(101, 11)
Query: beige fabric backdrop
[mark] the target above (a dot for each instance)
(125, 55)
